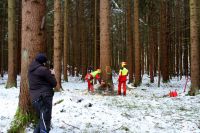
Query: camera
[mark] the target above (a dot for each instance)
(51, 66)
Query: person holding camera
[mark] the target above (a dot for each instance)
(41, 84)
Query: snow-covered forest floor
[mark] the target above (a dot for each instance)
(145, 109)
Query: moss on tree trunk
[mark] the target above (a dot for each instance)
(10, 85)
(21, 120)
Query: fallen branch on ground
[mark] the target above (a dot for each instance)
(116, 129)
(71, 125)
(58, 102)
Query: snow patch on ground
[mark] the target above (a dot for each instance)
(145, 109)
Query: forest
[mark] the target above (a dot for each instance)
(158, 39)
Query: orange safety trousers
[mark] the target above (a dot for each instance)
(124, 87)
(90, 85)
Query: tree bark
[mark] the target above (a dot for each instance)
(12, 75)
(1, 44)
(65, 52)
(3, 31)
(137, 44)
(186, 38)
(19, 37)
(32, 43)
(194, 40)
(163, 42)
(82, 40)
(57, 43)
(130, 43)
(105, 51)
(152, 40)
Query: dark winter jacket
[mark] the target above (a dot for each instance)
(41, 81)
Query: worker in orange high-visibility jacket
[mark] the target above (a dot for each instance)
(123, 72)
(90, 76)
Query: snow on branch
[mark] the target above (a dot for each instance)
(142, 21)
(116, 8)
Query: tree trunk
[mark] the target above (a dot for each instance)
(82, 40)
(130, 43)
(76, 37)
(96, 35)
(1, 43)
(152, 34)
(3, 33)
(32, 43)
(177, 36)
(164, 43)
(159, 62)
(186, 38)
(12, 75)
(19, 37)
(105, 51)
(57, 43)
(65, 52)
(137, 44)
(195, 49)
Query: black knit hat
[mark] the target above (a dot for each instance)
(41, 58)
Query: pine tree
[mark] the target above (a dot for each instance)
(82, 39)
(137, 44)
(105, 50)
(57, 43)
(33, 39)
(163, 42)
(130, 42)
(12, 74)
(65, 52)
(195, 48)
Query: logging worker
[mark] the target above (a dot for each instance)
(123, 72)
(41, 84)
(90, 76)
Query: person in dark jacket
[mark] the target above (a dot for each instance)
(41, 84)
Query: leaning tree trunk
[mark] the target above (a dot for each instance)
(33, 14)
(195, 49)
(137, 44)
(12, 75)
(105, 51)
(57, 43)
